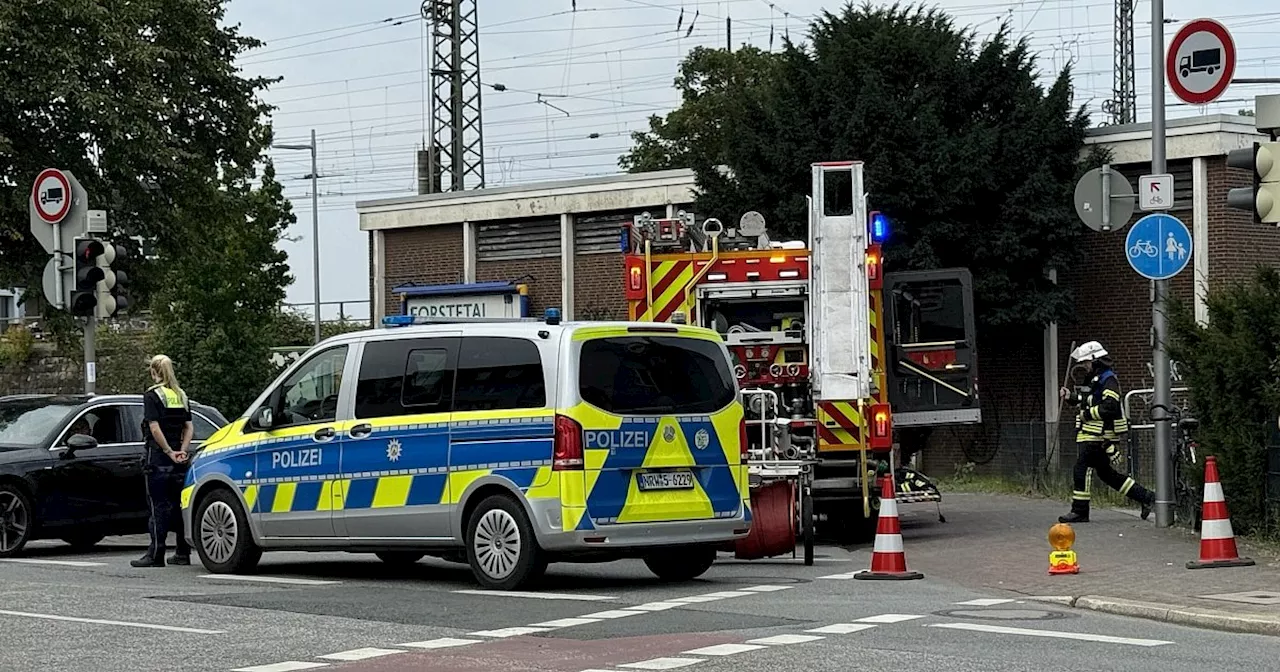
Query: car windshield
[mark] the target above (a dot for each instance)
(29, 423)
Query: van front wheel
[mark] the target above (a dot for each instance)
(681, 564)
(501, 547)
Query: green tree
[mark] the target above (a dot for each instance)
(970, 156)
(1232, 366)
(140, 99)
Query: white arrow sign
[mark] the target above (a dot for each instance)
(1155, 192)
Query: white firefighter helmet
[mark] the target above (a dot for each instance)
(1088, 352)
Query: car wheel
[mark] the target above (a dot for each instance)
(399, 558)
(501, 547)
(224, 542)
(83, 541)
(17, 520)
(681, 564)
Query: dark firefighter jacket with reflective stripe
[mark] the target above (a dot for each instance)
(1100, 417)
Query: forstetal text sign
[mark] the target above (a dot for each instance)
(466, 307)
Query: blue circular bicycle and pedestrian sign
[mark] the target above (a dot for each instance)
(1158, 246)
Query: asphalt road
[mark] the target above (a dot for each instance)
(76, 611)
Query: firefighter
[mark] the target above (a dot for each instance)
(166, 424)
(1100, 427)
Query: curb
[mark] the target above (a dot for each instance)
(1258, 624)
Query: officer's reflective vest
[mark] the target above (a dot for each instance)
(1090, 426)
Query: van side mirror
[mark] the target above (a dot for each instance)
(263, 418)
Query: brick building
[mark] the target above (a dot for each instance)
(560, 239)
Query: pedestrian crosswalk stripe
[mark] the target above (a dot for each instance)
(1079, 636)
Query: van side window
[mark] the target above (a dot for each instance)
(404, 377)
(499, 373)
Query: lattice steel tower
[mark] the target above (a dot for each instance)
(1123, 106)
(457, 162)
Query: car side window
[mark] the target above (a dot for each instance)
(404, 377)
(103, 423)
(311, 394)
(202, 428)
(131, 423)
(497, 373)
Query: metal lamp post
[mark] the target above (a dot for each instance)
(315, 223)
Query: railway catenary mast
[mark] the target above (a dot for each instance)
(844, 367)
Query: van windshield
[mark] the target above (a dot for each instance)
(655, 375)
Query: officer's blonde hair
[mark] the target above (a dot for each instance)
(162, 368)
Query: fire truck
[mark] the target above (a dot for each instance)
(844, 368)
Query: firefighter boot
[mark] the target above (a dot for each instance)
(1079, 512)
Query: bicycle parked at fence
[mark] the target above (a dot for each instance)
(1187, 502)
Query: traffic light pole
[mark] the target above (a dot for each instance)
(90, 354)
(1159, 325)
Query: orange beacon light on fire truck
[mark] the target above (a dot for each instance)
(881, 427)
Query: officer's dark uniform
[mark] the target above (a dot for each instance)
(1100, 428)
(165, 477)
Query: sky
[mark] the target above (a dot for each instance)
(353, 72)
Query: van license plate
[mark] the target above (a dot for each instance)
(665, 480)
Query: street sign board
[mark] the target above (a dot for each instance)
(1155, 192)
(50, 282)
(1097, 212)
(1200, 61)
(51, 196)
(74, 201)
(1158, 246)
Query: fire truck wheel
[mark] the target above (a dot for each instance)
(681, 564)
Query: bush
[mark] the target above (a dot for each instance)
(1232, 366)
(16, 344)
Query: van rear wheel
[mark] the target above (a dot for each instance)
(681, 564)
(501, 548)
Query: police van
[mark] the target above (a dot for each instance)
(502, 444)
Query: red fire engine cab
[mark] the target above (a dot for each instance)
(843, 367)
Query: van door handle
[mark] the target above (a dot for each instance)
(323, 434)
(361, 430)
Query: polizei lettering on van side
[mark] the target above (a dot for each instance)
(617, 438)
(288, 459)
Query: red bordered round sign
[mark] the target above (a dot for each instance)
(51, 195)
(1200, 61)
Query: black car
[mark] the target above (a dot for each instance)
(71, 467)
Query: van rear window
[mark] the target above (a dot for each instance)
(655, 375)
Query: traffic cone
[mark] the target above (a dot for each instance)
(888, 561)
(1217, 540)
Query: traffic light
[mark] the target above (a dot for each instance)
(1263, 198)
(88, 273)
(112, 297)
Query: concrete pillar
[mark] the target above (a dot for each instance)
(1052, 381)
(1200, 237)
(468, 251)
(566, 266)
(378, 302)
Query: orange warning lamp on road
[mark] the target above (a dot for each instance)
(1062, 560)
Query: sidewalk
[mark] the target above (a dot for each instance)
(1127, 566)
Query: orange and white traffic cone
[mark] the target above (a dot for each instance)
(888, 561)
(1217, 540)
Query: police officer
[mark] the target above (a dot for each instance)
(166, 424)
(1100, 427)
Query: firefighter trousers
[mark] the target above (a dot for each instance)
(1094, 455)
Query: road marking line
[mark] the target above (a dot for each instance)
(614, 613)
(61, 563)
(269, 579)
(766, 589)
(984, 602)
(839, 577)
(286, 666)
(539, 596)
(657, 606)
(508, 632)
(1080, 636)
(888, 618)
(662, 663)
(694, 599)
(842, 628)
(566, 622)
(360, 654)
(98, 621)
(785, 639)
(442, 643)
(724, 649)
(725, 594)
